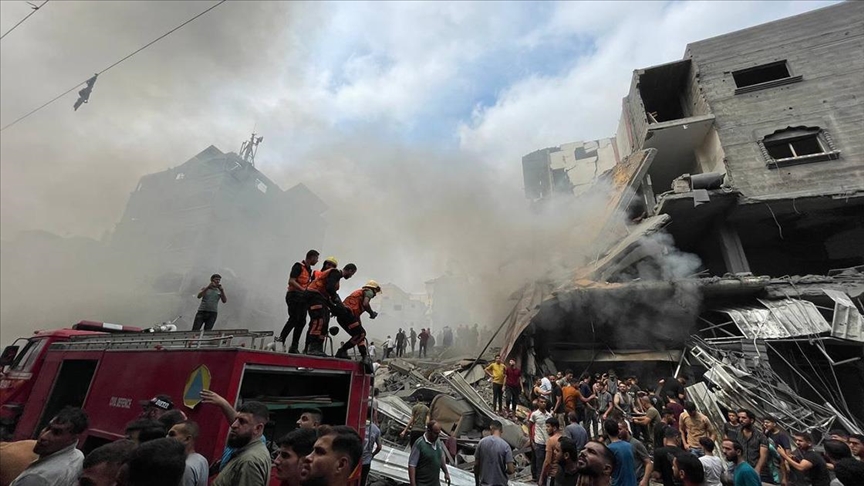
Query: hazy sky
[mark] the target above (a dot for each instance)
(408, 119)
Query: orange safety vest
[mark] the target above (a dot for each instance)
(316, 274)
(318, 285)
(354, 302)
(304, 278)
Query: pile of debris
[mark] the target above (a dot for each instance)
(458, 394)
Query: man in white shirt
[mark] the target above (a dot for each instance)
(538, 418)
(59, 462)
(714, 466)
(197, 467)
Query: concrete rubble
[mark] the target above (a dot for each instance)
(458, 395)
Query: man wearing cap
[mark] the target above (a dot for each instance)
(156, 407)
(348, 317)
(209, 307)
(298, 279)
(322, 296)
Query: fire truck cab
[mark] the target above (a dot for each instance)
(110, 375)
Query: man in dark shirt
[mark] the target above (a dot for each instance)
(322, 296)
(673, 387)
(513, 383)
(780, 439)
(732, 428)
(806, 461)
(753, 442)
(666, 420)
(298, 279)
(664, 456)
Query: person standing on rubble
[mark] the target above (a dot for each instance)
(413, 337)
(348, 319)
(419, 416)
(322, 296)
(538, 420)
(513, 382)
(493, 460)
(298, 280)
(400, 343)
(427, 459)
(424, 341)
(495, 371)
(209, 307)
(388, 345)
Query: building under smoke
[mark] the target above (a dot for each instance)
(216, 213)
(734, 170)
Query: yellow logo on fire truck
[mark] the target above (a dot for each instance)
(198, 381)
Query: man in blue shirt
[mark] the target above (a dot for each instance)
(745, 475)
(624, 473)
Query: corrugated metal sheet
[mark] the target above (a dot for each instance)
(777, 319)
(848, 322)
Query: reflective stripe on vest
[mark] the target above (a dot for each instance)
(354, 302)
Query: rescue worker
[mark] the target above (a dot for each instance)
(298, 280)
(349, 318)
(322, 296)
(329, 263)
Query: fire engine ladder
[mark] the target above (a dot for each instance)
(222, 338)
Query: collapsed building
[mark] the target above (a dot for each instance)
(734, 191)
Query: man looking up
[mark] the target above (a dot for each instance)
(624, 473)
(349, 319)
(59, 462)
(745, 475)
(495, 370)
(310, 418)
(298, 279)
(596, 463)
(249, 465)
(334, 457)
(293, 448)
(197, 467)
(209, 307)
(493, 461)
(427, 458)
(753, 443)
(322, 296)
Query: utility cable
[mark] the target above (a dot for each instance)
(35, 9)
(113, 65)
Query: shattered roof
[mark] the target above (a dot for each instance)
(778, 319)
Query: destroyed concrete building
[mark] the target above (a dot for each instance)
(736, 201)
(216, 213)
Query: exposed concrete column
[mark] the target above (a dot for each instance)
(732, 250)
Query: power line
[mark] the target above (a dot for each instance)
(35, 9)
(113, 65)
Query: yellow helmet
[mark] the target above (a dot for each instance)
(332, 260)
(372, 285)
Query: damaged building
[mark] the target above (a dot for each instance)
(215, 213)
(734, 227)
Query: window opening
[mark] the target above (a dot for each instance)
(761, 74)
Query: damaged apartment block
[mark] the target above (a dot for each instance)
(735, 188)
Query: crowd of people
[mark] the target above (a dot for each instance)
(160, 449)
(658, 435)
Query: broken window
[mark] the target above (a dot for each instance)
(797, 145)
(764, 76)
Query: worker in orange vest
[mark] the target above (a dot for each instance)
(329, 263)
(322, 296)
(298, 280)
(348, 317)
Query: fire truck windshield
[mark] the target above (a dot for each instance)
(27, 357)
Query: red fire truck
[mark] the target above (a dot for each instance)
(109, 374)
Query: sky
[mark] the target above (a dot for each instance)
(412, 115)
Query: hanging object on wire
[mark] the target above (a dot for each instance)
(84, 94)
